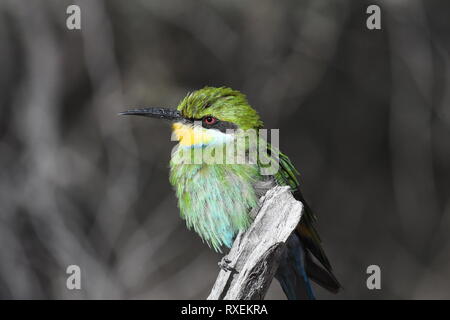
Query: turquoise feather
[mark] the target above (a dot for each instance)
(216, 199)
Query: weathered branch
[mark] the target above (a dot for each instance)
(250, 266)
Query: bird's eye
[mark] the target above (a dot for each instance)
(209, 120)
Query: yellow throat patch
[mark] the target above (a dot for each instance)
(189, 135)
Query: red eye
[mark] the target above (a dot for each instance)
(209, 120)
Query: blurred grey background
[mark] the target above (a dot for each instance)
(364, 115)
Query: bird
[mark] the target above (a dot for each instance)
(215, 199)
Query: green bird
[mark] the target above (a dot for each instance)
(215, 198)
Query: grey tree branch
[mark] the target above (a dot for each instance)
(250, 266)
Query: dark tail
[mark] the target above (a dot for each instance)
(321, 276)
(297, 268)
(292, 272)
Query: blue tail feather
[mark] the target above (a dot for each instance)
(291, 272)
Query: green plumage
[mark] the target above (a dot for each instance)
(216, 199)
(224, 103)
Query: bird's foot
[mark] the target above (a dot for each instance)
(225, 265)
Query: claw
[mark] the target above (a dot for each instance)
(224, 264)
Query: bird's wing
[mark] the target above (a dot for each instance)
(309, 238)
(287, 175)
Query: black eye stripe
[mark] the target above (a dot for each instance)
(209, 122)
(222, 126)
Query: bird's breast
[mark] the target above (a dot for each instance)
(215, 200)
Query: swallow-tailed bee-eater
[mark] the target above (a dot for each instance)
(216, 198)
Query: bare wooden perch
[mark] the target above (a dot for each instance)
(250, 266)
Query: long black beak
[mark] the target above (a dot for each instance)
(159, 113)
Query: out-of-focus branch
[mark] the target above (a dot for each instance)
(248, 269)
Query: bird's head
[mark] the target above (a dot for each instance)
(203, 116)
